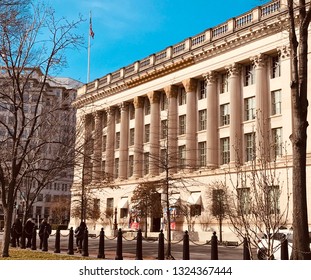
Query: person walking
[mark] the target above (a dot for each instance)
(16, 230)
(28, 228)
(79, 234)
(44, 228)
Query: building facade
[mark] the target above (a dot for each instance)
(196, 115)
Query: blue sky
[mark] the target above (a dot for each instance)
(130, 30)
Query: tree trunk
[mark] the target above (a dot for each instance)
(8, 211)
(299, 81)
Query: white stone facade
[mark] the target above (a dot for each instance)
(217, 95)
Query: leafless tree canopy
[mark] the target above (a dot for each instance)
(33, 130)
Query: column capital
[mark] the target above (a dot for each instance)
(83, 118)
(97, 114)
(123, 106)
(171, 91)
(233, 69)
(210, 77)
(154, 96)
(259, 60)
(110, 111)
(190, 85)
(284, 51)
(138, 102)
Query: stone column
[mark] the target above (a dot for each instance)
(212, 120)
(172, 127)
(97, 154)
(154, 153)
(235, 114)
(110, 145)
(88, 149)
(124, 134)
(262, 107)
(190, 86)
(284, 53)
(138, 137)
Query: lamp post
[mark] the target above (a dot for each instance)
(115, 219)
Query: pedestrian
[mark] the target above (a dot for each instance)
(79, 234)
(16, 231)
(44, 228)
(28, 228)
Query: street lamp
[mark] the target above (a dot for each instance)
(115, 219)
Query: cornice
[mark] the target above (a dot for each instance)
(209, 48)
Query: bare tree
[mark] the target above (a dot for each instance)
(27, 61)
(298, 40)
(252, 194)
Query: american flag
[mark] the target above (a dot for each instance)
(92, 34)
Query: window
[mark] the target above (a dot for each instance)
(96, 205)
(202, 92)
(250, 108)
(277, 142)
(103, 168)
(164, 129)
(38, 211)
(118, 116)
(131, 165)
(117, 140)
(104, 143)
(218, 202)
(48, 198)
(182, 97)
(250, 151)
(131, 111)
(275, 67)
(46, 212)
(163, 102)
(182, 156)
(110, 202)
(182, 124)
(249, 75)
(273, 199)
(225, 150)
(224, 85)
(132, 135)
(164, 159)
(147, 106)
(276, 102)
(146, 163)
(202, 154)
(202, 119)
(243, 201)
(147, 133)
(116, 168)
(224, 114)
(124, 213)
(40, 197)
(195, 210)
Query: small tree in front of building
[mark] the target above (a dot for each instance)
(146, 201)
(217, 193)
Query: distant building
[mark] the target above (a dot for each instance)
(209, 107)
(53, 201)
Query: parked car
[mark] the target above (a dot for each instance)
(275, 241)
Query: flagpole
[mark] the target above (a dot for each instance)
(89, 52)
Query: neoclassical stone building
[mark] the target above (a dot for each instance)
(196, 113)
